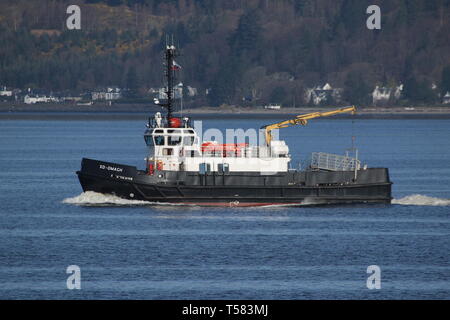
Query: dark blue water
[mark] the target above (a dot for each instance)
(171, 252)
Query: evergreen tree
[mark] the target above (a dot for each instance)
(418, 92)
(132, 82)
(223, 87)
(353, 15)
(114, 3)
(445, 80)
(357, 91)
(278, 95)
(247, 36)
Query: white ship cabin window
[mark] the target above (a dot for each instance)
(174, 137)
(159, 140)
(188, 141)
(223, 167)
(191, 153)
(204, 168)
(174, 140)
(148, 140)
(167, 151)
(159, 137)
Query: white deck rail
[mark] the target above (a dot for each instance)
(334, 162)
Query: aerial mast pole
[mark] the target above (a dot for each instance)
(171, 66)
(170, 54)
(169, 71)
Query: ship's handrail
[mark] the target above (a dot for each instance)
(244, 152)
(333, 162)
(164, 122)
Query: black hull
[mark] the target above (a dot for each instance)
(243, 189)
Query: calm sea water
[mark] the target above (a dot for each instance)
(132, 250)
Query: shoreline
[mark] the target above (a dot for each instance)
(301, 110)
(131, 112)
(225, 109)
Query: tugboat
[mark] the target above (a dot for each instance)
(182, 169)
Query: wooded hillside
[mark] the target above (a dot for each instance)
(254, 52)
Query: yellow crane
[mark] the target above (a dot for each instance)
(303, 120)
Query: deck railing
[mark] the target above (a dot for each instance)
(245, 152)
(333, 162)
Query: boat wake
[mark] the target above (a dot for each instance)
(91, 198)
(421, 200)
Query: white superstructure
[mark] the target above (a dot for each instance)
(181, 149)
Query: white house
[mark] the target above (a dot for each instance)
(32, 99)
(384, 94)
(177, 92)
(273, 106)
(318, 95)
(191, 92)
(4, 92)
(381, 94)
(446, 98)
(398, 91)
(108, 94)
(71, 99)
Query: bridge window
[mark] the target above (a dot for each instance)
(174, 140)
(159, 140)
(223, 167)
(148, 140)
(188, 141)
(204, 168)
(191, 153)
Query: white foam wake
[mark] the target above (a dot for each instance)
(94, 198)
(421, 200)
(90, 198)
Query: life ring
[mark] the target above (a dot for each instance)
(151, 168)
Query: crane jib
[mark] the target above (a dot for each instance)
(303, 120)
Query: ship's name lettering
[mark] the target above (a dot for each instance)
(124, 178)
(109, 168)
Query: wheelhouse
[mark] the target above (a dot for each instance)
(169, 137)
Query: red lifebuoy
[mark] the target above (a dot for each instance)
(175, 122)
(159, 165)
(151, 169)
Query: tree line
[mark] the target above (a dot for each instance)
(243, 52)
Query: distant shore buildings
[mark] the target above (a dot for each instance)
(107, 94)
(273, 106)
(446, 98)
(33, 99)
(323, 94)
(5, 92)
(319, 95)
(383, 95)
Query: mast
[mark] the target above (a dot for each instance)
(170, 67)
(169, 56)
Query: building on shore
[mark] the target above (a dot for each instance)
(446, 98)
(33, 99)
(384, 95)
(108, 94)
(322, 95)
(273, 106)
(5, 92)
